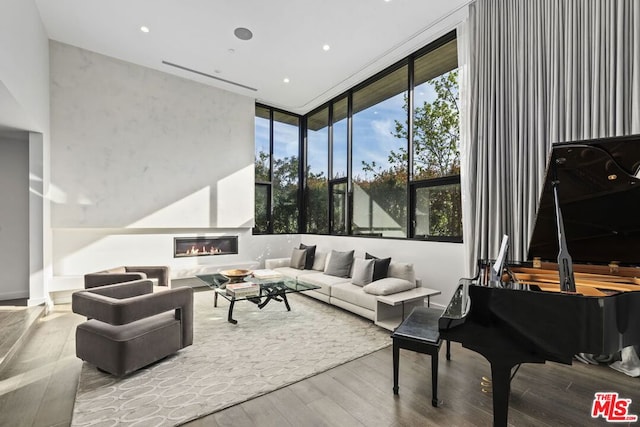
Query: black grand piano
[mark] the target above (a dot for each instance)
(581, 294)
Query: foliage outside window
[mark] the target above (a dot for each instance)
(379, 180)
(317, 172)
(276, 170)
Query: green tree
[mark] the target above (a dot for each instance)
(436, 154)
(285, 193)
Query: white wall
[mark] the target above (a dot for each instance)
(140, 157)
(14, 224)
(438, 264)
(138, 148)
(24, 105)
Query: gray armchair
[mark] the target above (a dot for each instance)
(126, 274)
(130, 326)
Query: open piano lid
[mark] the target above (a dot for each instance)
(599, 192)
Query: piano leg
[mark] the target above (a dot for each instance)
(396, 361)
(501, 380)
(434, 378)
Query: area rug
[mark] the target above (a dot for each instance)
(228, 364)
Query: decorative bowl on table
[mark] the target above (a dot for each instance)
(236, 275)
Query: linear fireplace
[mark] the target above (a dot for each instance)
(204, 246)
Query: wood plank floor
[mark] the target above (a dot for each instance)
(38, 388)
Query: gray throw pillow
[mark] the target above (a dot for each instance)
(380, 266)
(362, 271)
(339, 264)
(311, 253)
(298, 258)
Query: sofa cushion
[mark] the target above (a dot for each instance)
(115, 270)
(380, 266)
(298, 258)
(324, 281)
(362, 271)
(320, 261)
(353, 294)
(310, 255)
(402, 270)
(388, 286)
(339, 264)
(292, 272)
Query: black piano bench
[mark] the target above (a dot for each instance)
(419, 332)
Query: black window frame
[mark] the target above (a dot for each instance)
(412, 184)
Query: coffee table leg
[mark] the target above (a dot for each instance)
(230, 315)
(286, 301)
(215, 299)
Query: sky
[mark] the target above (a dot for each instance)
(372, 136)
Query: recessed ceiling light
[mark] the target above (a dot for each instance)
(231, 51)
(286, 80)
(243, 33)
(144, 29)
(326, 47)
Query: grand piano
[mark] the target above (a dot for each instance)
(579, 292)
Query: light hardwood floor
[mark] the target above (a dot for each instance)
(38, 387)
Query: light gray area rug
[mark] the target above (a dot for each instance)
(228, 364)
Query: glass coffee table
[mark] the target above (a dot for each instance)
(275, 289)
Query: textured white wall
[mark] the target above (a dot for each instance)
(137, 148)
(140, 157)
(14, 222)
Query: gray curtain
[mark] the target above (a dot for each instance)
(533, 73)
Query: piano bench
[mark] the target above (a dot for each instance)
(419, 332)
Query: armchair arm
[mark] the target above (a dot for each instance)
(93, 280)
(117, 311)
(153, 272)
(125, 290)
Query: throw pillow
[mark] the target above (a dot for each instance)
(320, 261)
(298, 258)
(311, 253)
(380, 266)
(362, 271)
(388, 286)
(339, 264)
(402, 270)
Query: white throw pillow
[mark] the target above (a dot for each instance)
(320, 261)
(362, 271)
(402, 270)
(388, 286)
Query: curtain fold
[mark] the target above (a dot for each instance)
(537, 72)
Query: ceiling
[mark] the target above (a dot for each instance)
(365, 36)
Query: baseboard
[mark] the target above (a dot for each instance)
(14, 295)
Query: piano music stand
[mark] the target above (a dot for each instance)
(419, 332)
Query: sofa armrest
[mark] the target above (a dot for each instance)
(160, 272)
(276, 263)
(93, 280)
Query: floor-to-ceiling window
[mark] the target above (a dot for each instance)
(379, 157)
(317, 173)
(277, 135)
(381, 160)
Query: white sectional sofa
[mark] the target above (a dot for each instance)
(386, 300)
